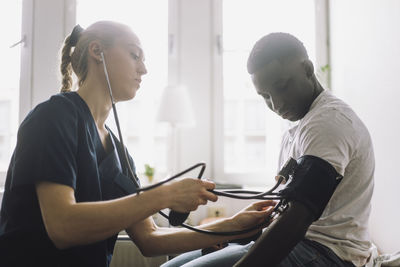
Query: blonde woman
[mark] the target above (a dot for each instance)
(63, 203)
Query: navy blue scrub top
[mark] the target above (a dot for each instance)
(58, 142)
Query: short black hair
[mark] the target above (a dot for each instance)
(275, 46)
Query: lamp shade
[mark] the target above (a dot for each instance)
(175, 107)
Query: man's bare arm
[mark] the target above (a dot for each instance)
(280, 237)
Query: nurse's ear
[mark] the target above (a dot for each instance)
(94, 51)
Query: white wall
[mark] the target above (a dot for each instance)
(365, 43)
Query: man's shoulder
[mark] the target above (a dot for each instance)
(336, 116)
(334, 125)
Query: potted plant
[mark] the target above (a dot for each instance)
(149, 172)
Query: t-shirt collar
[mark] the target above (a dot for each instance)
(317, 102)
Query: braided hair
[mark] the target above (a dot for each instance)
(66, 68)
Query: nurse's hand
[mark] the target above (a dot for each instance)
(255, 214)
(187, 194)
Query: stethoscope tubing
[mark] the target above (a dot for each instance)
(238, 194)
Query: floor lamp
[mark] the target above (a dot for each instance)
(176, 110)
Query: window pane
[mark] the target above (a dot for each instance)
(10, 21)
(143, 136)
(251, 133)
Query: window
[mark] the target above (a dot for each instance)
(145, 139)
(250, 134)
(10, 19)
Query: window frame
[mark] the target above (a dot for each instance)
(25, 84)
(34, 87)
(322, 59)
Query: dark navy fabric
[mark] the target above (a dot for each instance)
(58, 142)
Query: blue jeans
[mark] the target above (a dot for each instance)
(306, 253)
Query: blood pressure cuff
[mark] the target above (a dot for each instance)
(313, 183)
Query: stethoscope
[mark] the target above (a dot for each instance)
(177, 218)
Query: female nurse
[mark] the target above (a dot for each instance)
(67, 191)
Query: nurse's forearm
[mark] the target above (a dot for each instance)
(69, 223)
(100, 220)
(153, 240)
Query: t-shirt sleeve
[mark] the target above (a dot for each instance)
(47, 145)
(328, 138)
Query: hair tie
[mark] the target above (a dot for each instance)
(76, 33)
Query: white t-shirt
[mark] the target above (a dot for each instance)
(332, 131)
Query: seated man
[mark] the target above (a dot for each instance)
(327, 128)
